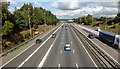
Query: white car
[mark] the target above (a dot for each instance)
(98, 29)
(67, 47)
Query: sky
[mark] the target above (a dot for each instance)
(69, 9)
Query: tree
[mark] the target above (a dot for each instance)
(7, 28)
(6, 15)
(117, 18)
(89, 19)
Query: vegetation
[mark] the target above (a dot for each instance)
(112, 24)
(13, 24)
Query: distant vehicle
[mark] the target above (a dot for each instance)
(38, 41)
(82, 23)
(66, 28)
(91, 35)
(36, 32)
(67, 47)
(53, 35)
(111, 38)
(98, 29)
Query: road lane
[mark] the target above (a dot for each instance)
(111, 52)
(36, 51)
(35, 59)
(16, 53)
(67, 58)
(54, 55)
(57, 57)
(60, 58)
(18, 60)
(82, 57)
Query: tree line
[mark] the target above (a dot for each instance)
(88, 19)
(19, 19)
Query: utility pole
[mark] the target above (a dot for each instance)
(92, 18)
(85, 19)
(44, 21)
(29, 23)
(106, 23)
(80, 20)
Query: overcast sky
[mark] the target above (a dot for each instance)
(69, 9)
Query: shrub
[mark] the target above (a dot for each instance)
(35, 26)
(24, 35)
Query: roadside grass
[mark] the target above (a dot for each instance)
(30, 40)
(114, 28)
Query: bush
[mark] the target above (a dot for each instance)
(24, 35)
(113, 27)
(35, 26)
(27, 34)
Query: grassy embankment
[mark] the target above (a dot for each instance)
(113, 28)
(18, 38)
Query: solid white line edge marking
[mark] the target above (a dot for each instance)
(37, 49)
(104, 51)
(76, 65)
(44, 58)
(21, 52)
(16, 56)
(58, 66)
(61, 52)
(85, 50)
(73, 51)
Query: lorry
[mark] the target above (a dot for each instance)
(111, 38)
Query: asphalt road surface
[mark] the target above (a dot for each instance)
(52, 54)
(77, 57)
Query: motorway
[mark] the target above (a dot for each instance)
(51, 53)
(76, 57)
(113, 53)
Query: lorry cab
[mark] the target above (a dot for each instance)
(111, 38)
(117, 41)
(98, 29)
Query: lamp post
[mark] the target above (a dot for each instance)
(106, 23)
(44, 21)
(80, 20)
(29, 23)
(92, 18)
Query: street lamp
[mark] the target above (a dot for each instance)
(80, 20)
(92, 18)
(106, 23)
(29, 23)
(44, 20)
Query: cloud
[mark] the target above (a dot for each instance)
(89, 0)
(70, 4)
(107, 12)
(11, 9)
(18, 7)
(73, 9)
(109, 4)
(37, 3)
(66, 5)
(97, 11)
